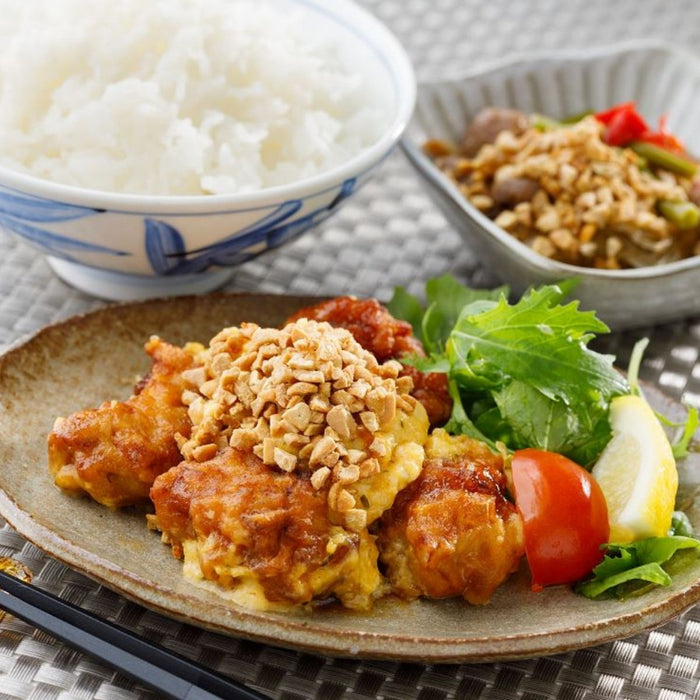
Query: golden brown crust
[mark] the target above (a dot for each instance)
(376, 330)
(452, 532)
(115, 451)
(277, 532)
(253, 521)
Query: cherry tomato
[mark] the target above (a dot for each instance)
(565, 517)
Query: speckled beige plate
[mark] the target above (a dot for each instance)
(84, 360)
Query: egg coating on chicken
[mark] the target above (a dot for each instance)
(452, 531)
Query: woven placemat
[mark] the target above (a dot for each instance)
(388, 234)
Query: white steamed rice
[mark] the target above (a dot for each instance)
(180, 97)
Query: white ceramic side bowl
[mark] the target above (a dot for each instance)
(661, 79)
(124, 247)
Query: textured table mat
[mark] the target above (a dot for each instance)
(389, 234)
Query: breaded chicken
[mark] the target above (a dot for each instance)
(308, 397)
(115, 451)
(262, 533)
(452, 532)
(305, 468)
(300, 441)
(376, 330)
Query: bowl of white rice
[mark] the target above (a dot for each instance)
(147, 148)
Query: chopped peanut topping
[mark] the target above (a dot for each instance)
(587, 204)
(304, 398)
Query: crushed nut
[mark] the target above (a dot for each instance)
(356, 519)
(319, 477)
(583, 193)
(305, 398)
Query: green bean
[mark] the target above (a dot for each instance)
(662, 158)
(543, 123)
(575, 118)
(684, 215)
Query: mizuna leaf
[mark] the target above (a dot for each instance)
(540, 344)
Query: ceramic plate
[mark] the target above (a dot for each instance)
(87, 359)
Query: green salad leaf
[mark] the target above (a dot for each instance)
(520, 373)
(687, 428)
(537, 420)
(445, 300)
(632, 569)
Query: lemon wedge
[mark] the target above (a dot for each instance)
(637, 472)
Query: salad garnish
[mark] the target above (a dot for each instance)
(522, 373)
(522, 376)
(685, 429)
(636, 567)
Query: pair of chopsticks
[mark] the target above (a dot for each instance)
(170, 674)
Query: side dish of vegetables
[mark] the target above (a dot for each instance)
(602, 190)
(587, 457)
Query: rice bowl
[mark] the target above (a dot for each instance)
(133, 245)
(187, 98)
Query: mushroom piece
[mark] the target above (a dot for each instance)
(513, 190)
(490, 122)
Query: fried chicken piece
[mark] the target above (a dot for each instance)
(452, 532)
(115, 451)
(386, 338)
(262, 533)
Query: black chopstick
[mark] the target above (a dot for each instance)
(170, 674)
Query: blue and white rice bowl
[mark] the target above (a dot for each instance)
(130, 246)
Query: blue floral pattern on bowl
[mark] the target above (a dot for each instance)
(161, 249)
(22, 214)
(168, 255)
